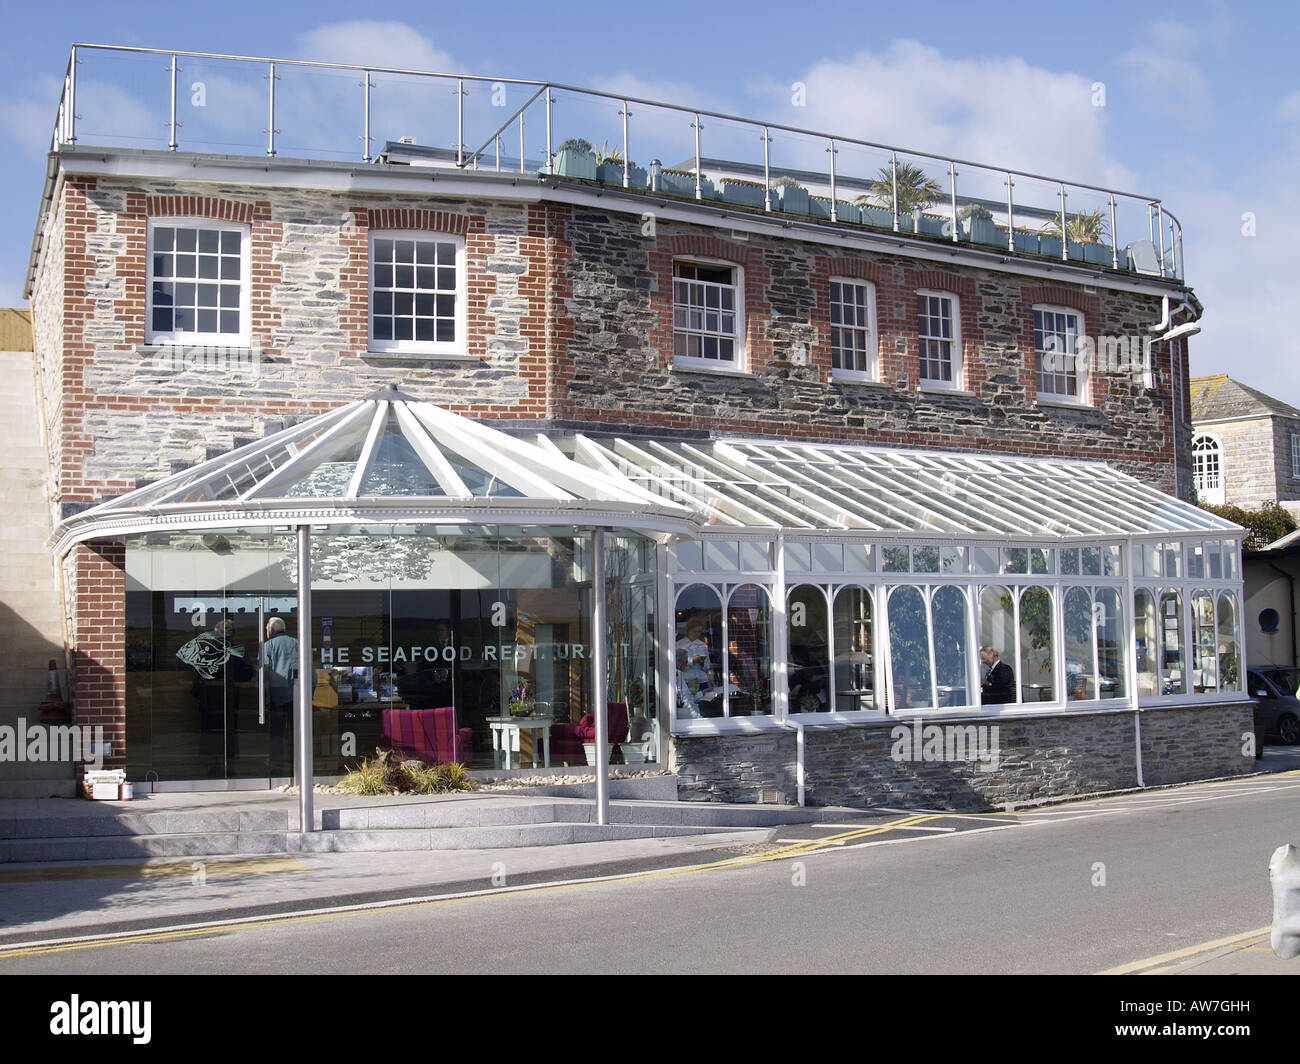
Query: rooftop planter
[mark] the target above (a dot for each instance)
(747, 193)
(1099, 254)
(819, 206)
(682, 183)
(794, 197)
(611, 173)
(848, 212)
(1049, 245)
(980, 230)
(1028, 242)
(878, 216)
(574, 162)
(935, 225)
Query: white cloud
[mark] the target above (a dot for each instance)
(1000, 111)
(1288, 108)
(30, 121)
(361, 42)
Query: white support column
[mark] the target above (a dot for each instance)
(667, 688)
(302, 726)
(1130, 638)
(780, 637)
(599, 681)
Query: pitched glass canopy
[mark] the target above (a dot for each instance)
(390, 458)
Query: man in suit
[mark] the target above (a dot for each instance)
(999, 683)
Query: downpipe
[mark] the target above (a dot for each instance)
(798, 727)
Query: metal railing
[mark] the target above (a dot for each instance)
(901, 187)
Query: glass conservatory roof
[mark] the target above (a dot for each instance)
(390, 457)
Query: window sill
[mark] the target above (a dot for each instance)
(839, 376)
(931, 389)
(235, 345)
(422, 356)
(1064, 402)
(681, 366)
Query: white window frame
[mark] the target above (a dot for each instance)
(197, 337)
(1205, 492)
(740, 363)
(458, 345)
(1081, 377)
(1295, 456)
(872, 346)
(931, 383)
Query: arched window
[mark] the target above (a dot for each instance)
(1207, 468)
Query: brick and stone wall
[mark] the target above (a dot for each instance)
(569, 314)
(1038, 758)
(98, 591)
(618, 367)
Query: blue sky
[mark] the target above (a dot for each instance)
(1201, 100)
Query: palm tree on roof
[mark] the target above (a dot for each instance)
(916, 189)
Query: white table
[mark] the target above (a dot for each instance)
(505, 738)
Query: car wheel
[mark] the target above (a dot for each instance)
(1288, 729)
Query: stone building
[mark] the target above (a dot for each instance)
(817, 452)
(1245, 445)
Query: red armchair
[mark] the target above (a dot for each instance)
(567, 739)
(427, 735)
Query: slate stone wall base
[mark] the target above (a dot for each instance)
(1037, 758)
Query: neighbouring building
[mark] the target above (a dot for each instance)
(764, 453)
(1245, 445)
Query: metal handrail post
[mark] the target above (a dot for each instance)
(1160, 226)
(270, 111)
(832, 150)
(766, 138)
(72, 97)
(171, 140)
(1011, 215)
(626, 114)
(460, 122)
(952, 185)
(699, 185)
(365, 128)
(893, 169)
(1065, 232)
(1114, 235)
(550, 163)
(521, 142)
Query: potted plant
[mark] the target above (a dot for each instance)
(748, 193)
(976, 224)
(916, 190)
(575, 158)
(794, 197)
(522, 702)
(609, 168)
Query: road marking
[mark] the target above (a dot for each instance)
(236, 866)
(1163, 959)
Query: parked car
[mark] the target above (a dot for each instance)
(1274, 690)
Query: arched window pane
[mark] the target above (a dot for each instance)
(909, 649)
(698, 657)
(1111, 677)
(948, 615)
(749, 652)
(1172, 638)
(1229, 638)
(1147, 628)
(1037, 682)
(1080, 670)
(998, 631)
(854, 673)
(1205, 638)
(808, 670)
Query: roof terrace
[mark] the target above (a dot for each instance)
(145, 98)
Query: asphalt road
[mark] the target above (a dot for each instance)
(1074, 888)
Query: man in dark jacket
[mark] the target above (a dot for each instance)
(999, 683)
